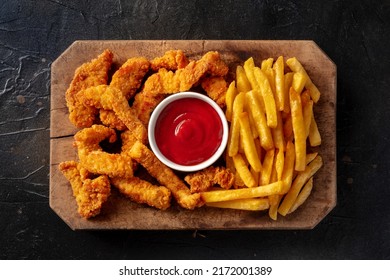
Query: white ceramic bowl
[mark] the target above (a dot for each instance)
(152, 128)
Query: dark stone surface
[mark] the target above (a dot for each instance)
(354, 34)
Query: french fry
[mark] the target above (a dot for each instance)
(268, 97)
(243, 171)
(279, 164)
(274, 201)
(288, 77)
(310, 157)
(277, 133)
(279, 83)
(303, 195)
(270, 73)
(296, 66)
(297, 185)
(255, 175)
(307, 111)
(265, 175)
(243, 84)
(249, 66)
(230, 96)
(232, 194)
(298, 82)
(260, 121)
(299, 130)
(238, 106)
(314, 134)
(248, 142)
(249, 204)
(288, 168)
(267, 63)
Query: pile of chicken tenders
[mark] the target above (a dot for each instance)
(116, 108)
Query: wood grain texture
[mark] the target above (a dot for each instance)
(119, 212)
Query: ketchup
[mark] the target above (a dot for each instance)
(188, 131)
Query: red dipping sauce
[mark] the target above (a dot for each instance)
(188, 131)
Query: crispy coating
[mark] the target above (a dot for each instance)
(90, 194)
(171, 60)
(141, 191)
(168, 82)
(203, 180)
(165, 176)
(111, 98)
(128, 79)
(216, 88)
(129, 76)
(89, 74)
(95, 160)
(110, 119)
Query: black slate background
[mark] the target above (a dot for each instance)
(355, 35)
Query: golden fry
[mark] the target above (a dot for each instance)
(279, 164)
(248, 142)
(299, 130)
(288, 77)
(277, 133)
(243, 84)
(314, 134)
(265, 175)
(307, 111)
(260, 121)
(249, 204)
(268, 96)
(296, 66)
(225, 195)
(279, 83)
(303, 195)
(238, 107)
(230, 96)
(244, 171)
(288, 169)
(298, 82)
(297, 185)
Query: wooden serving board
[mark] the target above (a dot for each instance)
(119, 212)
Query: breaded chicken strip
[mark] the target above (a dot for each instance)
(128, 79)
(89, 74)
(168, 82)
(165, 176)
(90, 194)
(111, 98)
(94, 159)
(203, 180)
(216, 88)
(171, 60)
(141, 191)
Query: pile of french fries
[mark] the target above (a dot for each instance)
(272, 127)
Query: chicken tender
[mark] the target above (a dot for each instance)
(90, 194)
(110, 119)
(165, 176)
(89, 74)
(203, 180)
(168, 82)
(111, 98)
(95, 160)
(216, 88)
(141, 191)
(171, 60)
(128, 78)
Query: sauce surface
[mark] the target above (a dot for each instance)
(188, 131)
